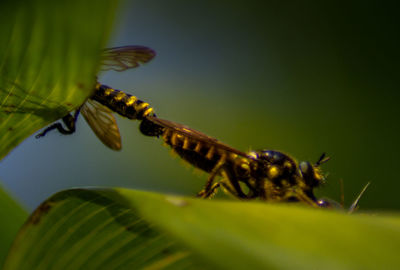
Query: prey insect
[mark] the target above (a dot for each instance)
(266, 174)
(98, 109)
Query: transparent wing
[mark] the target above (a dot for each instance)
(126, 57)
(103, 123)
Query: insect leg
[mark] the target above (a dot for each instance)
(209, 188)
(228, 187)
(295, 195)
(213, 190)
(234, 183)
(69, 122)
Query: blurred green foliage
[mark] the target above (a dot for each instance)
(47, 62)
(127, 229)
(12, 216)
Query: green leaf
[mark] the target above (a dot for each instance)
(12, 216)
(49, 57)
(89, 229)
(127, 229)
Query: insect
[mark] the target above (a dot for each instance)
(267, 174)
(98, 109)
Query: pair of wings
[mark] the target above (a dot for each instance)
(99, 117)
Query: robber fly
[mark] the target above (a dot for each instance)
(98, 109)
(267, 174)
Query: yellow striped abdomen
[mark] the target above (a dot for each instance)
(124, 104)
(202, 156)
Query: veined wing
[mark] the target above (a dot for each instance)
(103, 123)
(194, 134)
(126, 57)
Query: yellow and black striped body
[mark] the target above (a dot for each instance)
(198, 149)
(211, 159)
(266, 174)
(98, 109)
(269, 175)
(201, 155)
(204, 153)
(122, 103)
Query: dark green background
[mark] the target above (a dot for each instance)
(303, 78)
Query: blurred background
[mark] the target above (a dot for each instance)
(303, 78)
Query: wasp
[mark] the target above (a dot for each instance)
(98, 109)
(269, 175)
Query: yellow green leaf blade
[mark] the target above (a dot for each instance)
(237, 235)
(103, 229)
(88, 229)
(13, 216)
(49, 56)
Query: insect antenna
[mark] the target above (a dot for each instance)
(322, 159)
(354, 205)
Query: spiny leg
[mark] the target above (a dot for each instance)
(234, 183)
(209, 188)
(295, 194)
(229, 182)
(212, 191)
(214, 188)
(228, 187)
(69, 122)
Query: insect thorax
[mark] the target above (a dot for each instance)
(279, 178)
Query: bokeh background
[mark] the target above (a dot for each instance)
(301, 77)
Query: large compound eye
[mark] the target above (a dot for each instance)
(305, 168)
(311, 174)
